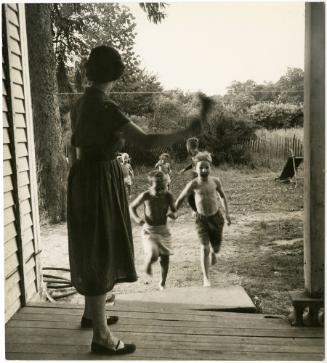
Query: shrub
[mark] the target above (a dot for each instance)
(224, 136)
(276, 116)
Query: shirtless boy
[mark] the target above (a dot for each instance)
(209, 220)
(157, 201)
(164, 166)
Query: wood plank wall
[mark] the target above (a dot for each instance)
(21, 226)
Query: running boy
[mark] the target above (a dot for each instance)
(192, 147)
(209, 220)
(127, 172)
(156, 236)
(164, 166)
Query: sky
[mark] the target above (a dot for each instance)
(205, 46)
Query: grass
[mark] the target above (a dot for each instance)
(273, 134)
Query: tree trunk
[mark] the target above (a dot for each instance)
(51, 163)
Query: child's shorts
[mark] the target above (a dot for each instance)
(158, 238)
(128, 180)
(210, 229)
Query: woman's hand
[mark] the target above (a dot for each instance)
(198, 124)
(195, 127)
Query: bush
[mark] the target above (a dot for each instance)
(276, 116)
(224, 136)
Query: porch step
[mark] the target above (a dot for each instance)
(231, 298)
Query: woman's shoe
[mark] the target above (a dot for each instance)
(88, 323)
(100, 349)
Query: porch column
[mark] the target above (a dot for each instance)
(314, 149)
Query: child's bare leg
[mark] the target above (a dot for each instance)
(205, 262)
(151, 257)
(213, 258)
(164, 263)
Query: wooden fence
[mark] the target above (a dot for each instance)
(278, 147)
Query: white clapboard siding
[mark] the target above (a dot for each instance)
(8, 215)
(7, 169)
(10, 231)
(27, 234)
(19, 120)
(5, 136)
(7, 183)
(6, 152)
(5, 118)
(18, 91)
(8, 199)
(11, 265)
(21, 218)
(21, 150)
(12, 16)
(10, 247)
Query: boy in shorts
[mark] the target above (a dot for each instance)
(209, 220)
(157, 201)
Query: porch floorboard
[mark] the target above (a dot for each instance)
(46, 331)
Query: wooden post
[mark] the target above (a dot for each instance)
(314, 148)
(314, 163)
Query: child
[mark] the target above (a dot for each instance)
(127, 172)
(164, 166)
(192, 147)
(156, 236)
(209, 220)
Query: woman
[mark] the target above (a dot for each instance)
(99, 228)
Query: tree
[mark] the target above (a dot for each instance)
(291, 86)
(155, 11)
(51, 165)
(95, 24)
(239, 96)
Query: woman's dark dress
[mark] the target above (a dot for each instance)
(99, 229)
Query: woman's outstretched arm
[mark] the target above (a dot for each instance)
(135, 135)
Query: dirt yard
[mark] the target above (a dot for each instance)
(262, 249)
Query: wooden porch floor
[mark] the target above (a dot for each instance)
(46, 331)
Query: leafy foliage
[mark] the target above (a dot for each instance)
(155, 11)
(224, 135)
(291, 86)
(274, 116)
(79, 28)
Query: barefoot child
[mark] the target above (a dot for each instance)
(164, 166)
(209, 220)
(156, 236)
(192, 147)
(127, 172)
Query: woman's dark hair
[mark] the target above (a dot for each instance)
(104, 64)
